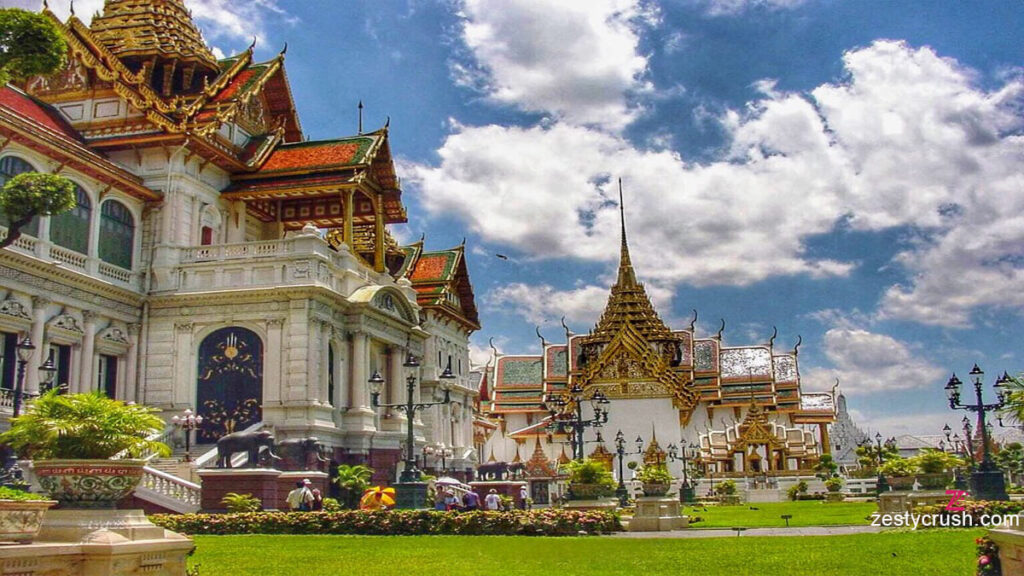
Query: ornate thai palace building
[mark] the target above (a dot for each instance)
(740, 407)
(195, 272)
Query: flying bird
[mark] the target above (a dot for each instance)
(502, 256)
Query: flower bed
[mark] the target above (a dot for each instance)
(988, 557)
(976, 509)
(549, 522)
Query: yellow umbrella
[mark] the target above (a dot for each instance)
(376, 498)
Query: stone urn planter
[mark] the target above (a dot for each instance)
(937, 481)
(655, 489)
(88, 483)
(20, 520)
(900, 483)
(579, 491)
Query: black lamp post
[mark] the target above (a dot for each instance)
(411, 473)
(188, 422)
(566, 412)
(987, 482)
(24, 350)
(881, 485)
(687, 452)
(620, 450)
(957, 447)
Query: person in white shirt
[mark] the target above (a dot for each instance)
(524, 497)
(492, 501)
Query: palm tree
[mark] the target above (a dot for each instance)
(353, 481)
(1013, 409)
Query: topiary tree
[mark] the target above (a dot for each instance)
(826, 467)
(30, 44)
(32, 194)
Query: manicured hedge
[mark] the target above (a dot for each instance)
(547, 522)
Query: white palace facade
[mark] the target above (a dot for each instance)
(216, 260)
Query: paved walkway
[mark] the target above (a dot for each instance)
(728, 533)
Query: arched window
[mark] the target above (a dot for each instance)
(117, 234)
(11, 166)
(71, 229)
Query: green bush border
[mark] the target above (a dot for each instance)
(546, 522)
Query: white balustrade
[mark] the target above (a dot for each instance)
(68, 257)
(169, 491)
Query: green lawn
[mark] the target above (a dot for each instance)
(933, 552)
(768, 514)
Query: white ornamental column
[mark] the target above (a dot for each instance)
(325, 364)
(39, 304)
(272, 380)
(181, 392)
(131, 373)
(360, 362)
(83, 382)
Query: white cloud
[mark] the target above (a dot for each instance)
(868, 362)
(906, 139)
(544, 304)
(225, 20)
(575, 59)
(732, 7)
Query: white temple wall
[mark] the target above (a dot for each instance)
(638, 417)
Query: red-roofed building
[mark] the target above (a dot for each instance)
(216, 260)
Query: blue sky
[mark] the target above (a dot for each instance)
(848, 171)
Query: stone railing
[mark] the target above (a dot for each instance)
(297, 261)
(169, 491)
(71, 260)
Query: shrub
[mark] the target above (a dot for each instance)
(834, 484)
(353, 481)
(654, 475)
(84, 426)
(20, 495)
(332, 505)
(931, 461)
(898, 467)
(589, 471)
(240, 503)
(726, 488)
(796, 491)
(546, 522)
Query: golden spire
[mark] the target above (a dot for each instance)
(628, 301)
(626, 275)
(160, 37)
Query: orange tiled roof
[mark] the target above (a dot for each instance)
(434, 267)
(318, 155)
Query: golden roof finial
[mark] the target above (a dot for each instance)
(626, 275)
(628, 302)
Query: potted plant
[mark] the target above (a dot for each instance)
(899, 473)
(589, 480)
(726, 491)
(21, 514)
(73, 439)
(935, 468)
(655, 479)
(834, 485)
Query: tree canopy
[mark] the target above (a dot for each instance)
(30, 44)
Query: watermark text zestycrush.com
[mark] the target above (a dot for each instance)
(956, 516)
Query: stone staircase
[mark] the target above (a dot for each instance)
(172, 484)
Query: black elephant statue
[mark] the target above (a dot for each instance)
(302, 453)
(252, 443)
(492, 471)
(516, 470)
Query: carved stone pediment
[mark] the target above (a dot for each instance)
(14, 309)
